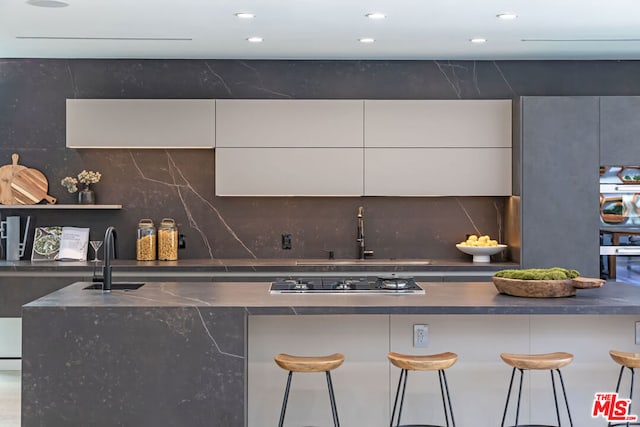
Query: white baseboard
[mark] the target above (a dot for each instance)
(10, 365)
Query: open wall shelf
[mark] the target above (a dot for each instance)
(48, 206)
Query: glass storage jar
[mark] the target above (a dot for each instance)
(146, 241)
(168, 240)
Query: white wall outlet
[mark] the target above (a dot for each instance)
(637, 333)
(421, 336)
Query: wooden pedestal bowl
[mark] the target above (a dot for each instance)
(544, 288)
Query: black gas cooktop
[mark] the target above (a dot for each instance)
(341, 285)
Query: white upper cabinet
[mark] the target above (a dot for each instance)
(438, 123)
(289, 123)
(289, 171)
(141, 123)
(289, 148)
(437, 172)
(438, 148)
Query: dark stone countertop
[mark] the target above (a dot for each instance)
(448, 298)
(260, 265)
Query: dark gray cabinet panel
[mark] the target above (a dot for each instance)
(620, 130)
(559, 183)
(15, 291)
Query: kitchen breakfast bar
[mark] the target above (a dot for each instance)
(201, 354)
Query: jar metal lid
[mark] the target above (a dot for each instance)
(145, 223)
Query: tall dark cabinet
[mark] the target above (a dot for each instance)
(556, 150)
(620, 130)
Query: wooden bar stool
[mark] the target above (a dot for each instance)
(548, 361)
(310, 364)
(629, 361)
(433, 362)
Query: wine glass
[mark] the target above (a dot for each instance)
(95, 244)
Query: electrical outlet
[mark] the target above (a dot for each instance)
(286, 241)
(420, 336)
(637, 333)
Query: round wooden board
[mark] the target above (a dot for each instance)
(7, 173)
(29, 186)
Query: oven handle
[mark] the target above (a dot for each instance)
(628, 188)
(617, 250)
(619, 188)
(628, 251)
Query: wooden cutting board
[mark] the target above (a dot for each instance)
(7, 173)
(29, 186)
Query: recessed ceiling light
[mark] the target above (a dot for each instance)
(366, 40)
(376, 15)
(47, 3)
(506, 16)
(478, 40)
(245, 15)
(254, 39)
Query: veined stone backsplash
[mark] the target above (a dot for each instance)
(180, 183)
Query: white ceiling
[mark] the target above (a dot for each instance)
(322, 29)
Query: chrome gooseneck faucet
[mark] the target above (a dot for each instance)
(110, 249)
(362, 252)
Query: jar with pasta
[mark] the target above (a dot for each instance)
(168, 240)
(146, 241)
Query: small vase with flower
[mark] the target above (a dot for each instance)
(86, 196)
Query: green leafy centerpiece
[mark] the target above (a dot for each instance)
(542, 282)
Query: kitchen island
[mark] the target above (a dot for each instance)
(199, 353)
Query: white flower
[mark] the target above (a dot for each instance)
(84, 177)
(89, 177)
(70, 183)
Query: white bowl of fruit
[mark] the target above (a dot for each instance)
(480, 247)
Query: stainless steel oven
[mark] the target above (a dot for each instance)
(619, 215)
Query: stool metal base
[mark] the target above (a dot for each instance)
(332, 399)
(446, 399)
(555, 400)
(626, 424)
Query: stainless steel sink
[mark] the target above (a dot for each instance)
(118, 286)
(355, 262)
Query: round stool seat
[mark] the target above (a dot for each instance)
(630, 360)
(309, 364)
(432, 362)
(538, 361)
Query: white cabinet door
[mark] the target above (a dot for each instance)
(438, 147)
(438, 123)
(140, 123)
(437, 172)
(289, 123)
(10, 342)
(289, 172)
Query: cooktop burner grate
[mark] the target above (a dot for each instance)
(340, 285)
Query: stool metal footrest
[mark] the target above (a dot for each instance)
(419, 425)
(625, 424)
(533, 425)
(555, 400)
(446, 401)
(332, 400)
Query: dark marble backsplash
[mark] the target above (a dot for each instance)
(180, 183)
